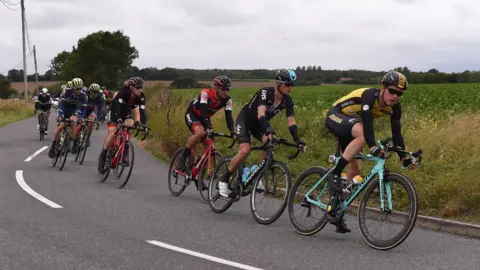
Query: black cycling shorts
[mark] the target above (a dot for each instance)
(44, 107)
(114, 117)
(191, 119)
(341, 126)
(246, 127)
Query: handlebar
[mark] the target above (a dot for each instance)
(138, 129)
(388, 146)
(268, 144)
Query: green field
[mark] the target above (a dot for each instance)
(441, 119)
(14, 110)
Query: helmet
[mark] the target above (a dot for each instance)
(395, 78)
(134, 81)
(44, 90)
(223, 81)
(95, 87)
(77, 83)
(69, 84)
(285, 76)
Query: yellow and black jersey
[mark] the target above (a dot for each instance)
(364, 103)
(366, 99)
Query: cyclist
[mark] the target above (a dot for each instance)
(204, 106)
(351, 120)
(94, 108)
(72, 105)
(43, 102)
(130, 99)
(254, 117)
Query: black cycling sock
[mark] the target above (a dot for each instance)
(342, 163)
(226, 176)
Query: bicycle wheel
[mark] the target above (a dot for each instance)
(58, 147)
(83, 148)
(81, 142)
(203, 178)
(173, 176)
(215, 200)
(121, 167)
(278, 191)
(304, 182)
(102, 177)
(65, 150)
(399, 204)
(41, 127)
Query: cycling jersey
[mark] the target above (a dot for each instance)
(364, 103)
(72, 103)
(40, 98)
(124, 102)
(247, 120)
(94, 103)
(266, 97)
(204, 106)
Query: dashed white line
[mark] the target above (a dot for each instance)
(35, 154)
(24, 186)
(203, 256)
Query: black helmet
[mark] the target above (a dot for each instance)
(286, 76)
(223, 81)
(395, 78)
(134, 81)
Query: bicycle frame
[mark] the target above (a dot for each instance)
(119, 145)
(378, 169)
(206, 154)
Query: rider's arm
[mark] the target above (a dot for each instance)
(36, 104)
(368, 99)
(143, 115)
(396, 126)
(292, 124)
(262, 109)
(203, 106)
(228, 116)
(83, 105)
(61, 105)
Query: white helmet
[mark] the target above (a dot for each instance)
(44, 90)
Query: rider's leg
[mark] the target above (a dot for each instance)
(75, 133)
(58, 129)
(112, 128)
(47, 116)
(198, 134)
(91, 117)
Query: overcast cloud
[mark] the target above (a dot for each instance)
(342, 34)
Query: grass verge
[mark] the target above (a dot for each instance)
(14, 110)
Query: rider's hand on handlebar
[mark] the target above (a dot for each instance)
(376, 151)
(137, 124)
(119, 121)
(408, 163)
(301, 145)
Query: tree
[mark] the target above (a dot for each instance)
(57, 64)
(102, 57)
(5, 89)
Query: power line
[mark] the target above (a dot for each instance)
(16, 66)
(9, 5)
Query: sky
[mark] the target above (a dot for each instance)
(246, 34)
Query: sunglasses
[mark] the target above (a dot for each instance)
(289, 84)
(224, 88)
(139, 87)
(395, 92)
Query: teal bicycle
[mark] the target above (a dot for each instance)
(381, 196)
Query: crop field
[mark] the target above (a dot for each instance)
(12, 110)
(441, 119)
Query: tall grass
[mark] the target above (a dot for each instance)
(440, 119)
(12, 110)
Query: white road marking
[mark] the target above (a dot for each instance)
(21, 182)
(203, 256)
(35, 154)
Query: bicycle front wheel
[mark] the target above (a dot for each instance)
(401, 193)
(125, 164)
(65, 150)
(219, 204)
(276, 182)
(203, 181)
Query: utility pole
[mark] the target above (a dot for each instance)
(22, 6)
(35, 60)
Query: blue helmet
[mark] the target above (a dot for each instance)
(286, 76)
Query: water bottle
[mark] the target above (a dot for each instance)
(246, 172)
(254, 168)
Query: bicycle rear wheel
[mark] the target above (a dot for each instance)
(278, 191)
(314, 216)
(173, 176)
(42, 127)
(119, 171)
(204, 179)
(405, 200)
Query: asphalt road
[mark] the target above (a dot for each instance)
(102, 227)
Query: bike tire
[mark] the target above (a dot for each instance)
(131, 159)
(265, 220)
(176, 155)
(84, 152)
(66, 144)
(412, 217)
(212, 186)
(214, 159)
(57, 153)
(102, 177)
(41, 128)
(320, 224)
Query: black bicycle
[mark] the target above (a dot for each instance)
(82, 142)
(239, 188)
(42, 126)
